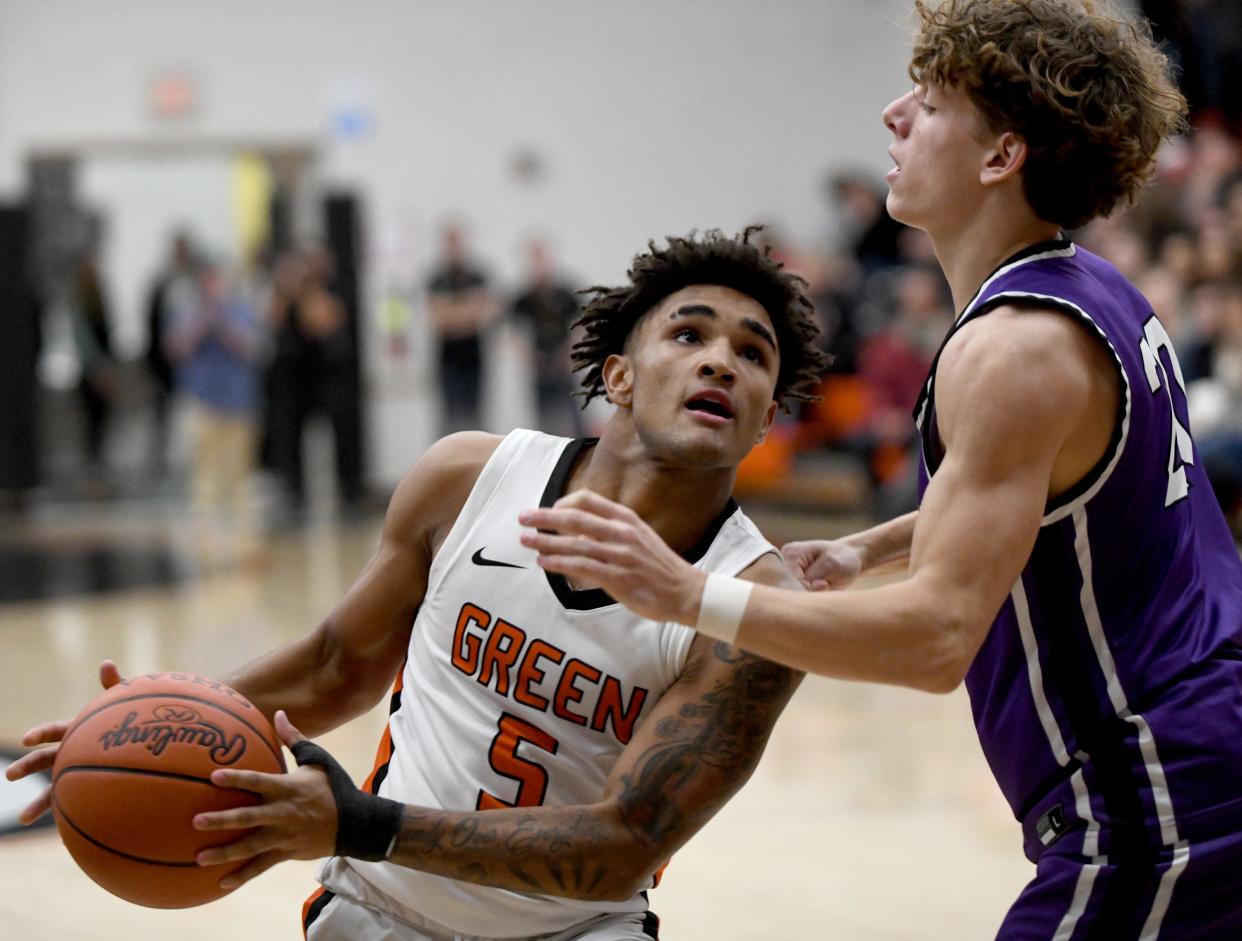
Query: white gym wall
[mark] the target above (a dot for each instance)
(647, 117)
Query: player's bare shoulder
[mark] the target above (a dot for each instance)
(1042, 356)
(431, 494)
(1041, 370)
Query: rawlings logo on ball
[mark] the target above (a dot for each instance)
(178, 725)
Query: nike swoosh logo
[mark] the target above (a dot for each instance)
(478, 559)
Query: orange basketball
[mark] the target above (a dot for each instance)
(133, 770)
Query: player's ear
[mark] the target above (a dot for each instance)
(618, 376)
(1003, 159)
(768, 418)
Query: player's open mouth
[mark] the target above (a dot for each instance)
(711, 405)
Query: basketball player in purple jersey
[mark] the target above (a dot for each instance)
(1068, 560)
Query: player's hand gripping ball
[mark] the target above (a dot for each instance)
(133, 770)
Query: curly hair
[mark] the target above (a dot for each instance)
(610, 316)
(1085, 87)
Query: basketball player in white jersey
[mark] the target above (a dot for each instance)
(547, 750)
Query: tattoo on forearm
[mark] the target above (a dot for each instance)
(710, 747)
(559, 852)
(719, 737)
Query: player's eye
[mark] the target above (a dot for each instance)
(754, 354)
(686, 335)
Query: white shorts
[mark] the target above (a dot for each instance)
(344, 919)
(353, 911)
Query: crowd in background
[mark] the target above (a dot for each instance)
(463, 303)
(887, 309)
(257, 353)
(254, 353)
(1182, 246)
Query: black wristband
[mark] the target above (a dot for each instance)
(367, 825)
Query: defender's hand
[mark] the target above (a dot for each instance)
(595, 541)
(821, 564)
(41, 759)
(297, 819)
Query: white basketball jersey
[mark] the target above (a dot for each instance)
(520, 691)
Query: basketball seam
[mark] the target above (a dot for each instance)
(115, 852)
(206, 702)
(150, 772)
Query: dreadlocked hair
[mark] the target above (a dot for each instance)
(611, 314)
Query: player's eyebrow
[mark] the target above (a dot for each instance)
(764, 333)
(703, 310)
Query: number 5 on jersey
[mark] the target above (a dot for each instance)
(531, 778)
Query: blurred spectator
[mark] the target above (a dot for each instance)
(1231, 206)
(1218, 256)
(894, 363)
(338, 384)
(1176, 255)
(1196, 339)
(871, 235)
(1166, 291)
(281, 384)
(1214, 158)
(835, 289)
(311, 369)
(216, 340)
(100, 377)
(1205, 39)
(1215, 404)
(548, 306)
(461, 309)
(176, 270)
(1117, 241)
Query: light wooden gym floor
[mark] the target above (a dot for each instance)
(872, 817)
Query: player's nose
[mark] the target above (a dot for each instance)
(895, 114)
(717, 364)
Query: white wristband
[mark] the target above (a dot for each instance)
(721, 607)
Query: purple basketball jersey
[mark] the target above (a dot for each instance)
(1108, 693)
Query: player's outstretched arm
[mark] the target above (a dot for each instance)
(346, 665)
(1020, 400)
(696, 749)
